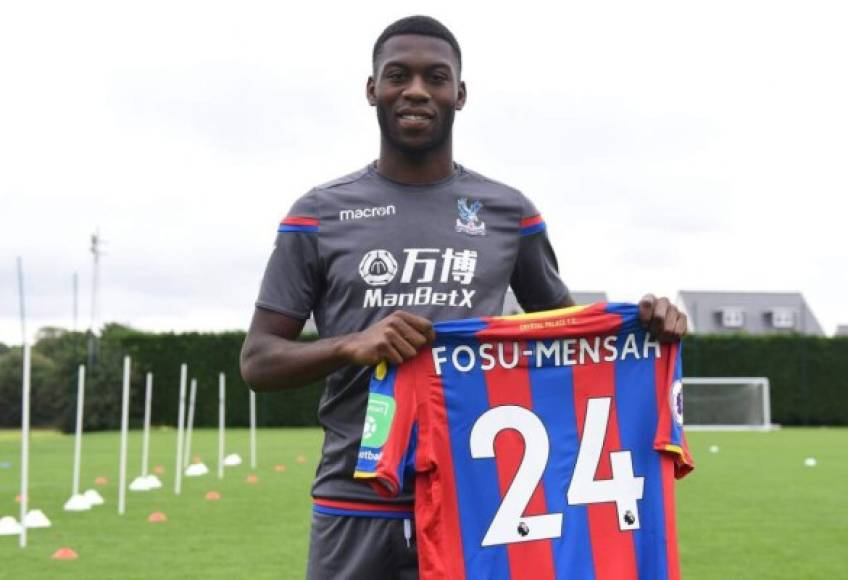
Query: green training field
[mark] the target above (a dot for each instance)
(752, 510)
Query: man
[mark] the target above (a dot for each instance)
(377, 256)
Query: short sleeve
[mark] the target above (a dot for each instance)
(535, 277)
(389, 436)
(292, 282)
(670, 437)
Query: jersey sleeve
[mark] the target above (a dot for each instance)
(535, 277)
(292, 281)
(670, 437)
(390, 433)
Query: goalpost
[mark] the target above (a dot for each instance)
(727, 404)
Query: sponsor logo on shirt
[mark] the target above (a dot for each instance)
(378, 419)
(424, 268)
(367, 212)
(469, 222)
(378, 267)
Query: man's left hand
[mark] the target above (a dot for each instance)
(662, 318)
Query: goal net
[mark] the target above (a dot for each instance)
(716, 403)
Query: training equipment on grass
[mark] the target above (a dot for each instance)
(36, 519)
(178, 473)
(713, 448)
(232, 460)
(93, 497)
(78, 502)
(212, 496)
(157, 518)
(65, 554)
(727, 404)
(252, 429)
(9, 526)
(810, 462)
(25, 441)
(222, 395)
(146, 481)
(252, 478)
(198, 468)
(125, 425)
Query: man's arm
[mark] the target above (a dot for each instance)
(273, 359)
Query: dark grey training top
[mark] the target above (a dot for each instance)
(358, 248)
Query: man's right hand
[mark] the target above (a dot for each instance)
(395, 339)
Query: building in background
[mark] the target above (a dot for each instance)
(748, 312)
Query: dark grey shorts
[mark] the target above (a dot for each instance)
(361, 548)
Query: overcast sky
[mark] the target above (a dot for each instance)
(669, 145)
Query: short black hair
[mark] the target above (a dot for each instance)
(423, 25)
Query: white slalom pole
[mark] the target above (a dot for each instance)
(125, 424)
(78, 435)
(25, 443)
(178, 475)
(145, 444)
(222, 395)
(79, 502)
(252, 429)
(190, 427)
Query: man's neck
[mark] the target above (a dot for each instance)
(417, 169)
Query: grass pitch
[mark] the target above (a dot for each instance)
(752, 510)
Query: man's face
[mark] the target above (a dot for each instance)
(416, 90)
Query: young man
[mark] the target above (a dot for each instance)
(377, 256)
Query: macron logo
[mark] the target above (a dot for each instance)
(367, 212)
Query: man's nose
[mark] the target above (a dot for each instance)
(416, 90)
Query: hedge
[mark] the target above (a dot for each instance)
(808, 375)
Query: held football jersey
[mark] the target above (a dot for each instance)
(543, 446)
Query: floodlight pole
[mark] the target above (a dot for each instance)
(125, 419)
(178, 476)
(222, 395)
(145, 445)
(252, 429)
(78, 434)
(76, 301)
(25, 443)
(96, 252)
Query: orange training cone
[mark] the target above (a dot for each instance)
(252, 478)
(101, 480)
(157, 518)
(159, 470)
(301, 459)
(213, 496)
(64, 554)
(279, 468)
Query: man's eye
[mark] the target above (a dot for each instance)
(395, 76)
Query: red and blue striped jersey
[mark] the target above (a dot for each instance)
(543, 446)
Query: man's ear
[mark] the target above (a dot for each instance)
(370, 92)
(462, 95)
